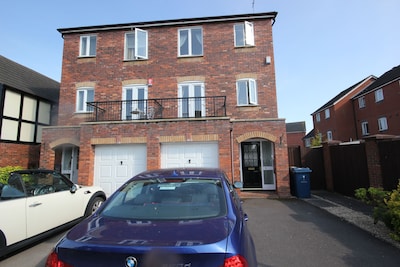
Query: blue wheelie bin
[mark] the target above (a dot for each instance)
(300, 182)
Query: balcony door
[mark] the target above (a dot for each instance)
(134, 105)
(191, 100)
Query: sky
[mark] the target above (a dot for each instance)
(321, 47)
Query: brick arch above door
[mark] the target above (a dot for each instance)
(63, 141)
(256, 134)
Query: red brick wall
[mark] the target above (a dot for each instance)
(220, 66)
(388, 108)
(26, 156)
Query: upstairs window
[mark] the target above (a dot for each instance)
(361, 102)
(84, 95)
(318, 117)
(191, 100)
(246, 92)
(190, 42)
(329, 135)
(244, 34)
(364, 128)
(327, 113)
(136, 45)
(88, 46)
(378, 95)
(382, 124)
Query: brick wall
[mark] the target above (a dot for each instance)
(26, 156)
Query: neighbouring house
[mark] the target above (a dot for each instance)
(28, 102)
(295, 132)
(376, 108)
(335, 120)
(197, 92)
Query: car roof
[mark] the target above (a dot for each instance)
(33, 171)
(183, 172)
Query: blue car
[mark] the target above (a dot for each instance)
(163, 218)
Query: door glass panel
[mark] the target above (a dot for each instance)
(269, 177)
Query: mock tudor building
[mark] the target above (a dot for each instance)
(196, 92)
(28, 102)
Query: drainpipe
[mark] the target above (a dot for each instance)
(231, 144)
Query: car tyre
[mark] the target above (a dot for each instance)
(93, 205)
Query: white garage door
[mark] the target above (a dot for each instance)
(114, 164)
(189, 154)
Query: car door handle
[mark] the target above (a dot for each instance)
(35, 204)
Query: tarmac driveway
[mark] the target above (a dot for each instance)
(286, 233)
(294, 233)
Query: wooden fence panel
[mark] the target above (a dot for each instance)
(349, 168)
(314, 160)
(389, 153)
(294, 154)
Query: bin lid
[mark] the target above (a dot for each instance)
(300, 170)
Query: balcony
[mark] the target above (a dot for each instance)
(157, 109)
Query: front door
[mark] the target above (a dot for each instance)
(258, 165)
(251, 165)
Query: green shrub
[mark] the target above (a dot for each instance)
(386, 206)
(5, 171)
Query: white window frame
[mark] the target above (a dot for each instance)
(195, 102)
(327, 113)
(361, 102)
(139, 44)
(379, 95)
(90, 45)
(135, 109)
(246, 37)
(190, 42)
(250, 95)
(364, 128)
(329, 135)
(318, 117)
(82, 97)
(382, 124)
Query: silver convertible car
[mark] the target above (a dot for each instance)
(35, 203)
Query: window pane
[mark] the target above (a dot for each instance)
(141, 44)
(253, 92)
(12, 103)
(44, 112)
(81, 97)
(249, 33)
(29, 109)
(9, 130)
(197, 42)
(183, 42)
(130, 46)
(92, 46)
(83, 46)
(242, 92)
(90, 95)
(239, 35)
(27, 132)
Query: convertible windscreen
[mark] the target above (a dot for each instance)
(168, 199)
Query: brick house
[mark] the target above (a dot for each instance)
(377, 106)
(172, 93)
(295, 132)
(28, 102)
(335, 120)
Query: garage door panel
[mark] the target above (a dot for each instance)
(115, 164)
(189, 154)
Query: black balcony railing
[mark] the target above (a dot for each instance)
(163, 108)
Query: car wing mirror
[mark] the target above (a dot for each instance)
(73, 189)
(238, 185)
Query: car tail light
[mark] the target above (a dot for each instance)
(53, 261)
(235, 261)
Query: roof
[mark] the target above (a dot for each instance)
(174, 22)
(311, 134)
(24, 79)
(388, 77)
(342, 94)
(295, 127)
